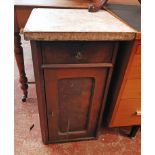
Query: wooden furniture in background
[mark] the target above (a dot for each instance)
(124, 101)
(127, 102)
(73, 64)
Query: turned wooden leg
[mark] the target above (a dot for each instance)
(134, 131)
(18, 50)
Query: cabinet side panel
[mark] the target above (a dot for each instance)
(39, 78)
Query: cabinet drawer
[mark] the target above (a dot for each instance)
(126, 113)
(77, 52)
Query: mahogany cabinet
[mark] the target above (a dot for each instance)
(73, 63)
(72, 84)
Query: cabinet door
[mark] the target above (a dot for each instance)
(74, 99)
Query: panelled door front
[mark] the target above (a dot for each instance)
(74, 98)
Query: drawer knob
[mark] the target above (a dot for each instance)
(138, 112)
(78, 55)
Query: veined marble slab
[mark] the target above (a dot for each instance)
(75, 24)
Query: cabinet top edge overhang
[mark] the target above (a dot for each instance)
(75, 24)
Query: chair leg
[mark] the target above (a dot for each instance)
(134, 130)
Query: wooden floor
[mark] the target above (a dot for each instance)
(111, 141)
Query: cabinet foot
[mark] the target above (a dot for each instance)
(134, 131)
(24, 98)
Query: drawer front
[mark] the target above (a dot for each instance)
(127, 113)
(71, 97)
(77, 52)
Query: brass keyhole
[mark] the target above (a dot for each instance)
(78, 55)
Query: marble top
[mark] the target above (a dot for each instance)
(75, 24)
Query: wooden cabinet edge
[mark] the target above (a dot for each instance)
(124, 80)
(36, 55)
